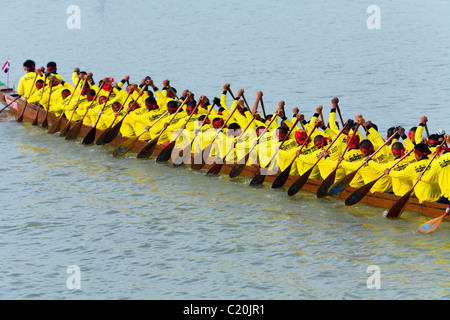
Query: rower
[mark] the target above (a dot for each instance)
(400, 185)
(52, 70)
(27, 80)
(423, 191)
(321, 141)
(440, 172)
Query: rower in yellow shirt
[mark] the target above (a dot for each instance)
(52, 70)
(57, 87)
(400, 185)
(27, 80)
(440, 172)
(321, 142)
(368, 174)
(423, 191)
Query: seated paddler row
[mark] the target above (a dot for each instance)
(276, 141)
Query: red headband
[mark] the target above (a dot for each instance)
(433, 141)
(218, 123)
(301, 136)
(151, 106)
(259, 131)
(322, 143)
(421, 154)
(353, 141)
(367, 151)
(401, 152)
(440, 148)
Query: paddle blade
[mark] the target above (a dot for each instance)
(398, 207)
(199, 163)
(339, 186)
(298, 185)
(20, 118)
(65, 130)
(90, 137)
(124, 147)
(55, 126)
(239, 166)
(198, 166)
(44, 123)
(325, 185)
(148, 149)
(113, 132)
(282, 178)
(258, 179)
(432, 225)
(215, 169)
(360, 193)
(101, 138)
(165, 154)
(73, 132)
(236, 170)
(35, 120)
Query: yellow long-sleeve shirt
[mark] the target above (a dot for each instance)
(440, 172)
(423, 191)
(400, 185)
(368, 174)
(26, 82)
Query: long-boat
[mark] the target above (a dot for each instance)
(382, 200)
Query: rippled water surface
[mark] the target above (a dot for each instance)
(141, 230)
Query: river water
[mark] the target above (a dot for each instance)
(140, 230)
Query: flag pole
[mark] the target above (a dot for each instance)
(7, 77)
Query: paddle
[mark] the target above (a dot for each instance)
(341, 185)
(321, 117)
(57, 124)
(73, 133)
(165, 153)
(127, 145)
(260, 177)
(431, 225)
(326, 184)
(148, 149)
(107, 132)
(44, 123)
(400, 205)
(428, 132)
(10, 103)
(297, 185)
(90, 137)
(112, 134)
(173, 92)
(38, 107)
(283, 176)
(360, 193)
(263, 109)
(66, 128)
(335, 102)
(215, 169)
(20, 118)
(177, 161)
(205, 152)
(240, 165)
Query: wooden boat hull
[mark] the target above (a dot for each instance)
(381, 200)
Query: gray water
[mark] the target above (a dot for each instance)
(141, 230)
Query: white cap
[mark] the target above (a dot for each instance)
(440, 132)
